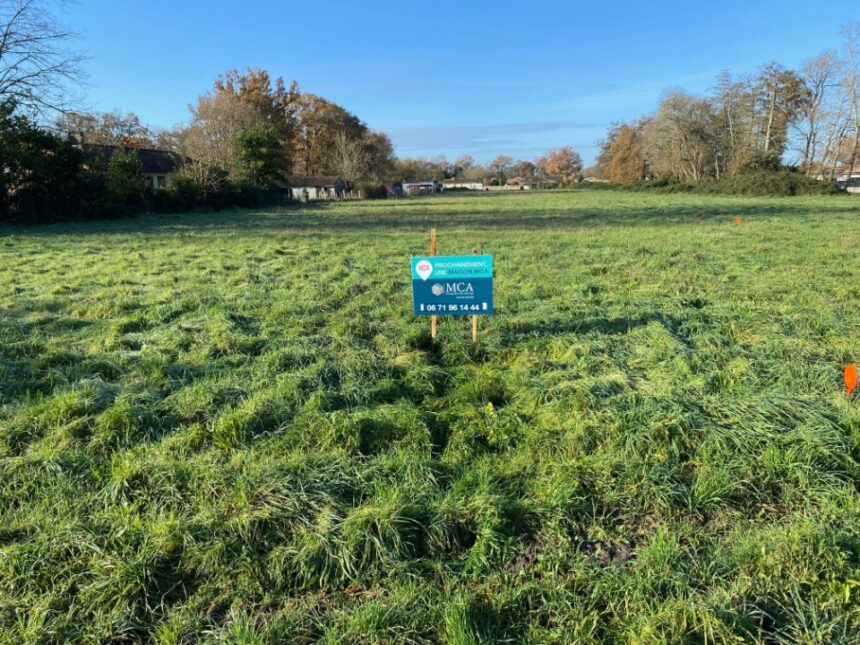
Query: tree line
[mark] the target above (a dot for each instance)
(252, 130)
(805, 121)
(243, 139)
(563, 164)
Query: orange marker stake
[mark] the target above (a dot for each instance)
(850, 377)
(738, 220)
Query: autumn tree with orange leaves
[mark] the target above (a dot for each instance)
(626, 159)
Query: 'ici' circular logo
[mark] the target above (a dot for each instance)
(437, 289)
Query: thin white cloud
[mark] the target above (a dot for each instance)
(482, 138)
(625, 96)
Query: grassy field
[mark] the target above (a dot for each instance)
(230, 428)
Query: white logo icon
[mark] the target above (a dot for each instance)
(437, 289)
(424, 269)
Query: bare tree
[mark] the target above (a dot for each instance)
(463, 165)
(837, 125)
(108, 128)
(679, 139)
(348, 157)
(379, 152)
(820, 75)
(500, 167)
(525, 169)
(851, 87)
(37, 64)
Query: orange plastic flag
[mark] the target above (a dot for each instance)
(850, 376)
(738, 220)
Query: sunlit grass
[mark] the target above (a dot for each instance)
(230, 427)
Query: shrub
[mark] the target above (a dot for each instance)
(181, 195)
(374, 191)
(752, 183)
(126, 192)
(42, 179)
(764, 183)
(661, 185)
(45, 179)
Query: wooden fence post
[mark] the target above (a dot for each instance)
(433, 252)
(474, 318)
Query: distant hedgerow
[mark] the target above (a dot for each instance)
(757, 183)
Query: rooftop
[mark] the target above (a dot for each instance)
(151, 160)
(312, 181)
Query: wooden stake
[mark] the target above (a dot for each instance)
(474, 318)
(433, 252)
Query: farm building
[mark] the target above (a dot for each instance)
(848, 181)
(157, 165)
(532, 183)
(420, 187)
(462, 184)
(308, 187)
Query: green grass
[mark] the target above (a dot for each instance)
(230, 428)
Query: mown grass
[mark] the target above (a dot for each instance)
(230, 428)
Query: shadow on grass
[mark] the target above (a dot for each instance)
(616, 326)
(530, 212)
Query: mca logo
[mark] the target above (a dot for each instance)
(452, 288)
(460, 287)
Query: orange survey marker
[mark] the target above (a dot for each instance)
(850, 378)
(738, 220)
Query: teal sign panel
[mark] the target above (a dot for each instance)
(452, 285)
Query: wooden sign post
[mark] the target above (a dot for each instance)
(433, 252)
(452, 285)
(474, 318)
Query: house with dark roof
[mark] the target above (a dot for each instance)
(307, 187)
(531, 183)
(157, 165)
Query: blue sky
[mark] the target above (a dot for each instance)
(482, 78)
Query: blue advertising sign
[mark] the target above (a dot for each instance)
(452, 285)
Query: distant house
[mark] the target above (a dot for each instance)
(531, 183)
(157, 165)
(420, 187)
(850, 181)
(462, 184)
(308, 187)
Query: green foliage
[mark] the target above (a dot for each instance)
(46, 179)
(260, 162)
(126, 192)
(374, 191)
(763, 183)
(753, 183)
(181, 195)
(184, 194)
(228, 427)
(759, 162)
(42, 178)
